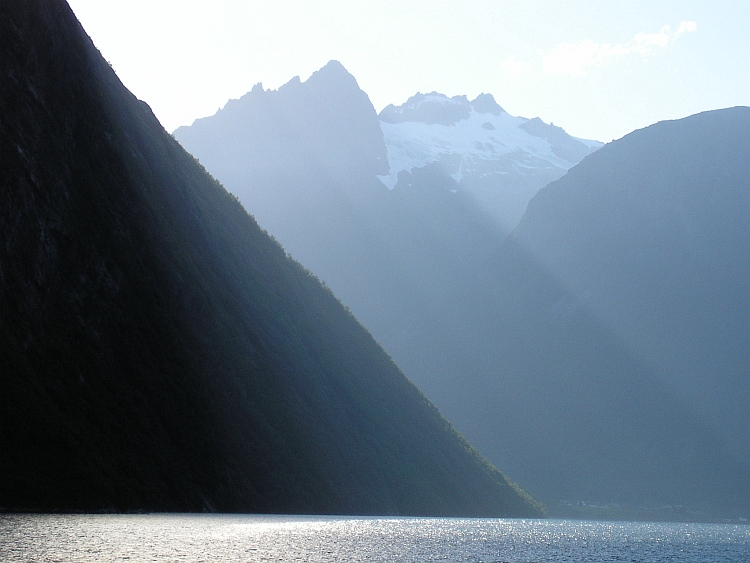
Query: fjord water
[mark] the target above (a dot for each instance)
(194, 538)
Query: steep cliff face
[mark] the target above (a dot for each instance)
(159, 351)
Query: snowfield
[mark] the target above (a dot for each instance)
(469, 144)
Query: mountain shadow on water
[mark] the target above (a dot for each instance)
(158, 351)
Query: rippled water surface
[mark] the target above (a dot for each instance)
(193, 538)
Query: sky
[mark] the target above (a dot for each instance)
(597, 68)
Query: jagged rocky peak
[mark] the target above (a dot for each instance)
(332, 79)
(485, 103)
(438, 109)
(326, 120)
(256, 94)
(432, 109)
(332, 84)
(333, 71)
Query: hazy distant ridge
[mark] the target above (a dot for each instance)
(600, 352)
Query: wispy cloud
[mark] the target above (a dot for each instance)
(687, 26)
(574, 59)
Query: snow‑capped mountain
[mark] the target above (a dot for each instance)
(541, 346)
(498, 159)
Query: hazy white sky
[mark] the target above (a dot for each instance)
(598, 68)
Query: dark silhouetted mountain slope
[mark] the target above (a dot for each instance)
(158, 351)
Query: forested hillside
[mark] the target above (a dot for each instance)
(158, 350)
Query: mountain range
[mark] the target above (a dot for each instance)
(501, 161)
(326, 126)
(313, 162)
(597, 350)
(158, 350)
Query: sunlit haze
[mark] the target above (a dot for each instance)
(471, 277)
(598, 68)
